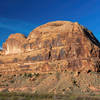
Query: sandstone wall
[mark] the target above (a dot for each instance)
(55, 42)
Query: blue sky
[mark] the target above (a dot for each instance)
(24, 15)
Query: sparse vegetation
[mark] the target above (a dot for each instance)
(12, 81)
(24, 96)
(27, 96)
(36, 74)
(50, 73)
(30, 75)
(25, 74)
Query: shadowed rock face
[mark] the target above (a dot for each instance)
(56, 41)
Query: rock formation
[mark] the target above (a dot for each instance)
(14, 43)
(59, 46)
(56, 41)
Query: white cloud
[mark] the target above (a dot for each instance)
(0, 48)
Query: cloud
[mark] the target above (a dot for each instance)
(0, 48)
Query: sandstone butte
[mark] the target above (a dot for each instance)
(59, 46)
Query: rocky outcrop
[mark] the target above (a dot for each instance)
(58, 41)
(56, 57)
(14, 44)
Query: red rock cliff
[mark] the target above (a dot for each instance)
(58, 41)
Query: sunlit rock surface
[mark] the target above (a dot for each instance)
(14, 44)
(56, 41)
(61, 52)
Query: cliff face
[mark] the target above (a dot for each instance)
(58, 41)
(58, 57)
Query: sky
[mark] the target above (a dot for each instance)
(22, 16)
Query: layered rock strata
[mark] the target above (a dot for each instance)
(60, 41)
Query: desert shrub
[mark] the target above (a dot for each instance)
(36, 74)
(20, 74)
(25, 74)
(14, 75)
(29, 75)
(6, 84)
(50, 73)
(12, 81)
